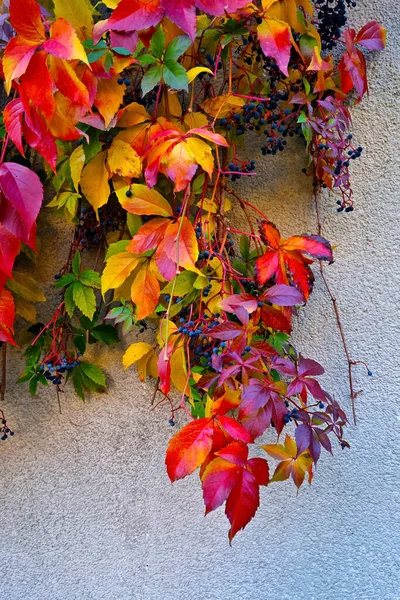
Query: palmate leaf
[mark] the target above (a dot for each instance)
(284, 260)
(87, 376)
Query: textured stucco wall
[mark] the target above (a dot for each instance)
(86, 509)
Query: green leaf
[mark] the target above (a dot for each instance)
(80, 343)
(95, 55)
(183, 284)
(94, 146)
(84, 298)
(78, 384)
(33, 385)
(177, 47)
(90, 278)
(175, 75)
(65, 280)
(116, 248)
(134, 223)
(302, 117)
(105, 333)
(151, 79)
(244, 247)
(69, 301)
(122, 51)
(76, 263)
(94, 373)
(147, 59)
(108, 63)
(157, 42)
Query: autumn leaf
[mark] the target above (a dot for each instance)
(231, 477)
(7, 316)
(117, 270)
(139, 200)
(109, 98)
(276, 41)
(122, 160)
(94, 181)
(189, 448)
(145, 290)
(180, 244)
(78, 13)
(284, 260)
(291, 464)
(135, 352)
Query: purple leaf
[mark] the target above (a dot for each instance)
(283, 295)
(23, 190)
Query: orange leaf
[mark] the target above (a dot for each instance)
(64, 42)
(68, 82)
(276, 41)
(189, 448)
(109, 98)
(180, 244)
(145, 291)
(142, 201)
(149, 236)
(17, 56)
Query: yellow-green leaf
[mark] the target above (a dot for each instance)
(76, 163)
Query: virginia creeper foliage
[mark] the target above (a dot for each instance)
(139, 120)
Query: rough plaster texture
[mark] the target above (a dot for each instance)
(87, 512)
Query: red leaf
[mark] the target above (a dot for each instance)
(9, 248)
(218, 479)
(164, 371)
(236, 453)
(218, 8)
(131, 15)
(260, 469)
(149, 236)
(242, 503)
(226, 331)
(353, 69)
(180, 243)
(246, 301)
(189, 448)
(372, 36)
(13, 113)
(26, 19)
(274, 318)
(276, 41)
(38, 136)
(183, 13)
(235, 429)
(23, 189)
(37, 85)
(7, 316)
(284, 260)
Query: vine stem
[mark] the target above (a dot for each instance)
(3, 372)
(350, 363)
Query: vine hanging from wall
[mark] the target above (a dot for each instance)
(140, 120)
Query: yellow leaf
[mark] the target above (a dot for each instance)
(202, 154)
(123, 160)
(135, 352)
(223, 105)
(109, 98)
(193, 73)
(143, 201)
(165, 326)
(94, 181)
(133, 114)
(179, 374)
(210, 206)
(78, 13)
(111, 3)
(76, 163)
(195, 120)
(117, 270)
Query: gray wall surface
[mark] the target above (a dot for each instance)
(86, 508)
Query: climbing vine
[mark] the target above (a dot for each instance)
(136, 123)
